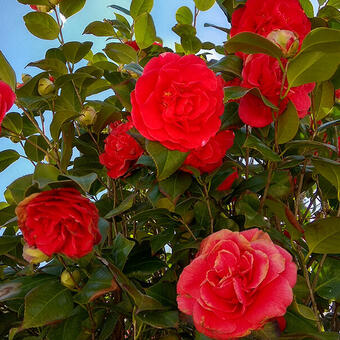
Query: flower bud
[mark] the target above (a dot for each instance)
(70, 280)
(33, 255)
(337, 96)
(25, 78)
(45, 87)
(87, 116)
(288, 41)
(43, 8)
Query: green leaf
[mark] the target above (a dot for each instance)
(328, 284)
(100, 29)
(75, 51)
(306, 146)
(47, 303)
(252, 43)
(307, 6)
(145, 31)
(160, 319)
(160, 240)
(204, 5)
(99, 283)
(13, 122)
(125, 205)
(323, 100)
(68, 8)
(184, 15)
(318, 59)
(84, 182)
(33, 148)
(42, 25)
(176, 185)
(122, 9)
(288, 124)
(59, 118)
(256, 144)
(19, 186)
(330, 170)
(164, 292)
(68, 133)
(323, 236)
(167, 161)
(7, 157)
(121, 249)
(121, 53)
(237, 92)
(45, 174)
(191, 44)
(230, 64)
(50, 64)
(8, 243)
(7, 73)
(139, 7)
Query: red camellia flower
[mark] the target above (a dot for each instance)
(264, 72)
(121, 150)
(59, 221)
(210, 156)
(178, 102)
(228, 182)
(263, 17)
(7, 99)
(236, 283)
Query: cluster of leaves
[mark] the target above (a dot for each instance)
(152, 220)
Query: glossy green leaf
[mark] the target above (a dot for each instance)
(160, 240)
(230, 64)
(191, 44)
(84, 182)
(75, 51)
(68, 132)
(323, 100)
(145, 30)
(125, 205)
(307, 7)
(100, 282)
(68, 8)
(7, 157)
(121, 53)
(44, 174)
(42, 25)
(100, 29)
(204, 5)
(8, 243)
(13, 122)
(160, 319)
(184, 15)
(121, 249)
(34, 147)
(323, 236)
(252, 43)
(119, 8)
(7, 73)
(139, 7)
(50, 64)
(175, 185)
(167, 161)
(19, 186)
(59, 118)
(288, 124)
(47, 303)
(256, 144)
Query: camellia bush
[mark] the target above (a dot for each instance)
(176, 194)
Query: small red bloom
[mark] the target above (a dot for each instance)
(228, 182)
(7, 99)
(121, 150)
(34, 7)
(210, 156)
(237, 282)
(133, 44)
(59, 221)
(178, 102)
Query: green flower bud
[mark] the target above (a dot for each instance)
(288, 41)
(33, 255)
(70, 280)
(87, 116)
(45, 87)
(25, 78)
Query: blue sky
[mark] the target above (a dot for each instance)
(20, 47)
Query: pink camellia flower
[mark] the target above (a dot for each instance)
(264, 72)
(228, 182)
(7, 99)
(121, 150)
(263, 17)
(178, 102)
(210, 156)
(237, 282)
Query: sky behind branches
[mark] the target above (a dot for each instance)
(20, 47)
